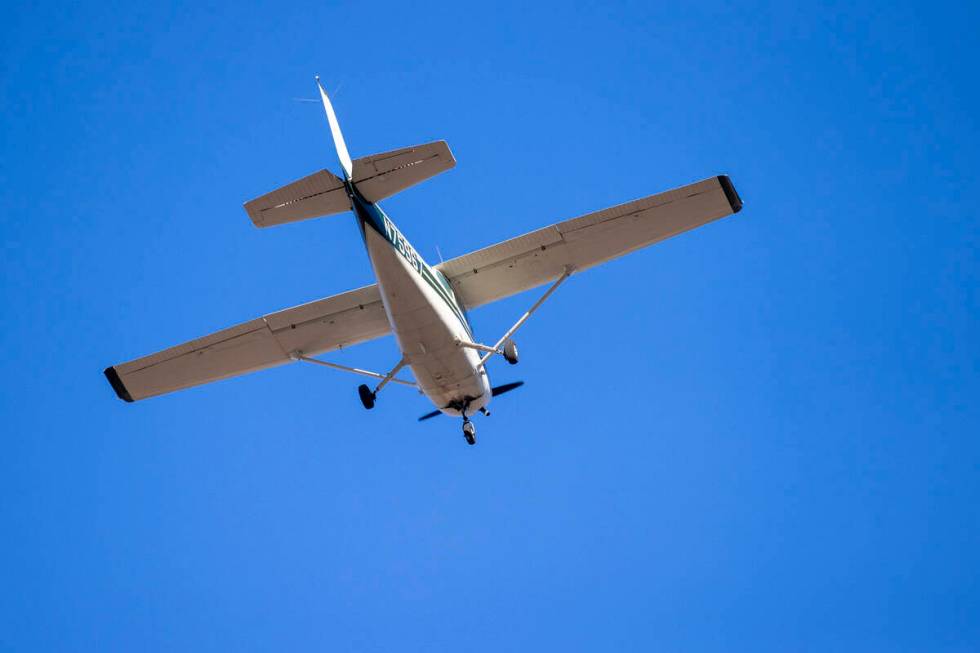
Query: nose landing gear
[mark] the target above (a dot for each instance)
(469, 430)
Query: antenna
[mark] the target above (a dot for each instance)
(439, 252)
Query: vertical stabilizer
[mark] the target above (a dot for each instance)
(338, 139)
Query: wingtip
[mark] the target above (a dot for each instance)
(113, 376)
(730, 193)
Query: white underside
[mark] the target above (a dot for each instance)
(427, 330)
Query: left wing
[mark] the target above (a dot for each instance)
(530, 260)
(313, 328)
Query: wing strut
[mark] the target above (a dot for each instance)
(500, 347)
(385, 378)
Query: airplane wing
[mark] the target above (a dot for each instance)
(533, 259)
(313, 328)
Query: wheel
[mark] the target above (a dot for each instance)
(367, 397)
(510, 352)
(469, 432)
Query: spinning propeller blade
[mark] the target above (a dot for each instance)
(499, 390)
(507, 387)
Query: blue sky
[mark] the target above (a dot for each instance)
(761, 435)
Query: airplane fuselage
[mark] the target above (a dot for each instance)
(425, 316)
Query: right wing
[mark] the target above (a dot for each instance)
(326, 324)
(530, 260)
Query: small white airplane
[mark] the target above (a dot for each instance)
(423, 306)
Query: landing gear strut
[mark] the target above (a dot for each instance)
(469, 430)
(367, 395)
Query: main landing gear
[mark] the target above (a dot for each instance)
(510, 352)
(367, 396)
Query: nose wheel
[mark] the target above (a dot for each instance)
(469, 431)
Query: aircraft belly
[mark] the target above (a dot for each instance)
(426, 329)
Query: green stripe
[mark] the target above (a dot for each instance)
(370, 213)
(429, 277)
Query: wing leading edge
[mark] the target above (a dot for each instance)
(541, 256)
(338, 321)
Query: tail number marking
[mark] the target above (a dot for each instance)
(399, 242)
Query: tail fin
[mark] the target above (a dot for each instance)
(375, 178)
(338, 138)
(385, 174)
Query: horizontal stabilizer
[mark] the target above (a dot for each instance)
(321, 193)
(382, 175)
(376, 177)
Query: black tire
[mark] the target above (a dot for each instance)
(367, 397)
(510, 352)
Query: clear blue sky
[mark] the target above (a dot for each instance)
(759, 436)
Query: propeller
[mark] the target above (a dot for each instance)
(499, 390)
(507, 387)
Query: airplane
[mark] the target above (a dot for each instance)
(424, 306)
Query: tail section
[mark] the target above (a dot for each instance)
(382, 175)
(338, 138)
(319, 194)
(375, 178)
